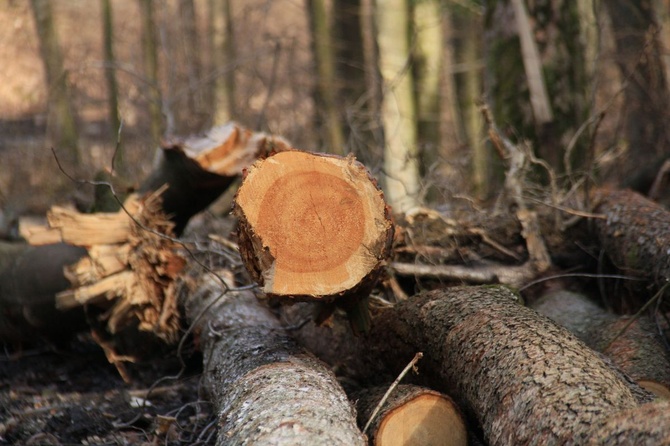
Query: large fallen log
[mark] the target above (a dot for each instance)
(30, 277)
(634, 345)
(635, 234)
(523, 378)
(265, 388)
(313, 227)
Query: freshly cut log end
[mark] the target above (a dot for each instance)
(412, 415)
(312, 226)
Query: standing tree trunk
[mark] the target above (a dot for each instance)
(62, 122)
(150, 54)
(469, 53)
(191, 55)
(110, 78)
(646, 91)
(222, 47)
(537, 71)
(401, 164)
(427, 20)
(330, 124)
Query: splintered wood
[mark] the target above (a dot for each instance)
(312, 226)
(129, 270)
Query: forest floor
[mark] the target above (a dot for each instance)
(73, 395)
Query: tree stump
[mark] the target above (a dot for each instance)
(313, 226)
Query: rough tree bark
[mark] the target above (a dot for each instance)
(635, 234)
(639, 350)
(525, 379)
(265, 389)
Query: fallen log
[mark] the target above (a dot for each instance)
(265, 388)
(638, 350)
(645, 425)
(412, 415)
(30, 277)
(313, 227)
(635, 234)
(523, 378)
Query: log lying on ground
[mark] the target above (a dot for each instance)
(635, 234)
(645, 425)
(639, 350)
(524, 378)
(313, 227)
(30, 277)
(412, 415)
(265, 388)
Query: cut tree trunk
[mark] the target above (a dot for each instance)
(647, 424)
(635, 234)
(638, 350)
(313, 227)
(412, 415)
(30, 277)
(265, 388)
(525, 379)
(199, 168)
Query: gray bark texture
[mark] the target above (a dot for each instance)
(525, 379)
(635, 234)
(645, 425)
(638, 351)
(265, 388)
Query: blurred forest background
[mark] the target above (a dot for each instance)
(399, 83)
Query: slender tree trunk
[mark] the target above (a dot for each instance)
(150, 54)
(110, 78)
(401, 166)
(538, 83)
(62, 122)
(329, 122)
(469, 53)
(429, 52)
(222, 49)
(191, 55)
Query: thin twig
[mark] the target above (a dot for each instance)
(411, 365)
